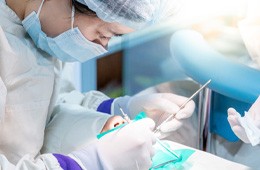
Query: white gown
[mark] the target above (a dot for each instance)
(29, 88)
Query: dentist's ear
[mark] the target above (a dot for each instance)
(113, 122)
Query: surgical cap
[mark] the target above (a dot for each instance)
(132, 13)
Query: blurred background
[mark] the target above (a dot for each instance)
(142, 59)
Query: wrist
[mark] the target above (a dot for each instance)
(105, 106)
(88, 157)
(67, 163)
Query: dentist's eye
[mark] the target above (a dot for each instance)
(118, 35)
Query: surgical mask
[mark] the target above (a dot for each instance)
(69, 46)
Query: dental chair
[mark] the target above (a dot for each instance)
(232, 84)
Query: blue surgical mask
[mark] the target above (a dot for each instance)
(69, 46)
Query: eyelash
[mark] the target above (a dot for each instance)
(118, 35)
(105, 38)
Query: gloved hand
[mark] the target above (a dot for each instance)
(246, 128)
(127, 148)
(158, 106)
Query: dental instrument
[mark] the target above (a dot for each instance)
(182, 106)
(163, 164)
(125, 116)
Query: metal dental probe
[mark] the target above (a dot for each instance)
(183, 105)
(125, 116)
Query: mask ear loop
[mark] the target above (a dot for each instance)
(40, 8)
(72, 16)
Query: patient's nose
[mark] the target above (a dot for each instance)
(113, 122)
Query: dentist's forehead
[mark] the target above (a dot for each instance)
(132, 13)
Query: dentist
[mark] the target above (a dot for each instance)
(37, 38)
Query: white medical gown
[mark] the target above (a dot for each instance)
(29, 87)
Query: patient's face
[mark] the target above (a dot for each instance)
(113, 122)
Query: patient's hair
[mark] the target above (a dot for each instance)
(83, 8)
